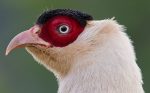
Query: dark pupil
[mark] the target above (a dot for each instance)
(63, 29)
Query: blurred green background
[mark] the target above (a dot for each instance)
(19, 73)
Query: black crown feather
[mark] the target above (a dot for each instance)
(81, 17)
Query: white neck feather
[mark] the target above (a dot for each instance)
(101, 60)
(109, 68)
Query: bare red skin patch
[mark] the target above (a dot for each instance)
(50, 33)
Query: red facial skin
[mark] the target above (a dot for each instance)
(49, 31)
(48, 34)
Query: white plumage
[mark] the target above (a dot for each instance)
(101, 60)
(86, 56)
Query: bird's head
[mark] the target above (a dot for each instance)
(61, 35)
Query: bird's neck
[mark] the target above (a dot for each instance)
(110, 68)
(104, 64)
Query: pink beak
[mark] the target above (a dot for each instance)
(26, 38)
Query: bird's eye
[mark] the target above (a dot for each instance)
(63, 29)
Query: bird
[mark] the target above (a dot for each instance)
(85, 55)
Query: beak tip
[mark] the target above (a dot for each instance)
(7, 52)
(9, 49)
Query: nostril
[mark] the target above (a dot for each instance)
(37, 32)
(35, 29)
